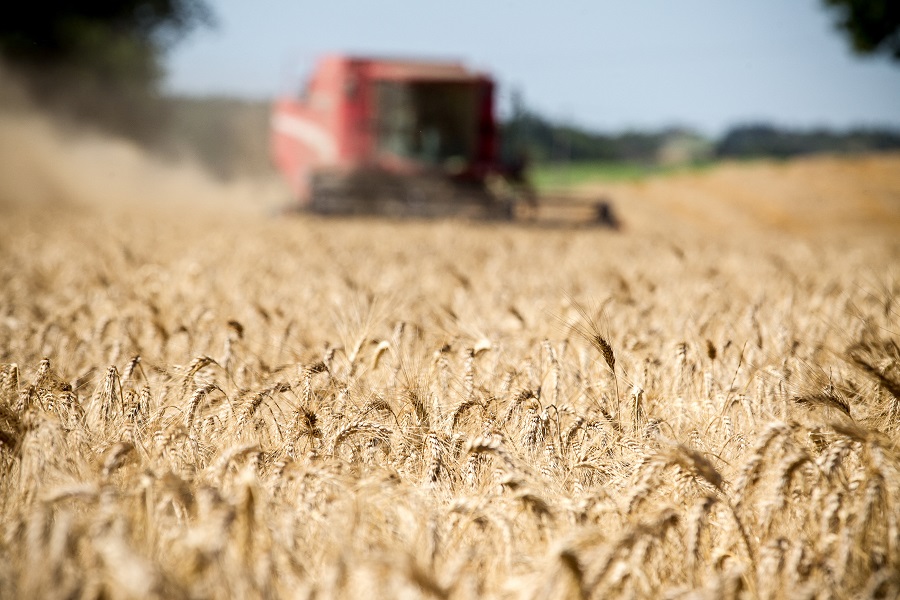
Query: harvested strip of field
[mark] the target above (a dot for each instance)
(199, 401)
(811, 197)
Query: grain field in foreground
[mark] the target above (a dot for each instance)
(200, 402)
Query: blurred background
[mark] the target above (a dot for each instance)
(588, 90)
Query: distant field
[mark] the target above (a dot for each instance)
(552, 176)
(814, 197)
(201, 401)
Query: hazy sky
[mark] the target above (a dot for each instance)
(603, 64)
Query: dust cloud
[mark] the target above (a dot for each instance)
(45, 163)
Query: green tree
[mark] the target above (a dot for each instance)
(872, 26)
(96, 60)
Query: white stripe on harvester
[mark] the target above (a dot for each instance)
(307, 131)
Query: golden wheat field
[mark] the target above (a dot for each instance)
(200, 401)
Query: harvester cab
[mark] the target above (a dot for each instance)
(395, 137)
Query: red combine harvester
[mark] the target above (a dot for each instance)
(398, 138)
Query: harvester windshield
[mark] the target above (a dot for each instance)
(433, 123)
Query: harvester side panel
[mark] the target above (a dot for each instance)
(312, 133)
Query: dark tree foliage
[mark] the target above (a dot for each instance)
(872, 26)
(756, 141)
(539, 139)
(544, 141)
(58, 31)
(96, 60)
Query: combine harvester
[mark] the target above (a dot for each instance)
(405, 139)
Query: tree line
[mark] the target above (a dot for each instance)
(97, 62)
(529, 136)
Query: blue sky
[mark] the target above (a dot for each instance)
(607, 65)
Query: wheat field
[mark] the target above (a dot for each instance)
(200, 401)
